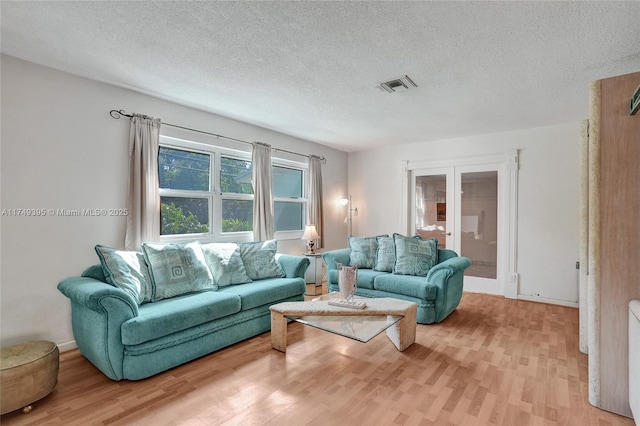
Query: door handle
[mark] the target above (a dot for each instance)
(448, 234)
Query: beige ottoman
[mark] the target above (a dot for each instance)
(28, 372)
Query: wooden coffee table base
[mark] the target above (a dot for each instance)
(402, 333)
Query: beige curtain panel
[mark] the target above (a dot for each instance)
(143, 200)
(263, 227)
(315, 196)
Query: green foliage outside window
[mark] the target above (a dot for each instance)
(183, 169)
(236, 225)
(235, 176)
(174, 221)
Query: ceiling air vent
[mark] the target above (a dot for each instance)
(401, 84)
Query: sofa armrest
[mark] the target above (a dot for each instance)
(448, 276)
(333, 257)
(293, 266)
(90, 293)
(98, 311)
(450, 266)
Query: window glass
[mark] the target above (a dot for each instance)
(237, 215)
(287, 216)
(186, 170)
(181, 215)
(235, 176)
(286, 182)
(206, 189)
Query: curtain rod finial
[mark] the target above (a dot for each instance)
(116, 113)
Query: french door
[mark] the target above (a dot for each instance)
(467, 208)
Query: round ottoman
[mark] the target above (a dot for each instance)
(28, 372)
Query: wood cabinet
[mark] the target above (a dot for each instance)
(613, 241)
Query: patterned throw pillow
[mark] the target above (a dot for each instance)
(128, 271)
(363, 252)
(415, 256)
(225, 263)
(260, 260)
(177, 269)
(386, 256)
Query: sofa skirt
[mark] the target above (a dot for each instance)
(150, 358)
(426, 313)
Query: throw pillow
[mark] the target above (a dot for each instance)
(126, 270)
(363, 252)
(260, 260)
(386, 256)
(415, 256)
(177, 269)
(225, 263)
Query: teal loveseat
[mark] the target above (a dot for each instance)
(130, 340)
(437, 294)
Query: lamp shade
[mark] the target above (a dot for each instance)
(310, 233)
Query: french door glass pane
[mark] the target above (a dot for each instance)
(431, 207)
(479, 222)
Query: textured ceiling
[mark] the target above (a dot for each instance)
(312, 69)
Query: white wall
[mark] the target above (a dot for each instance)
(61, 150)
(548, 195)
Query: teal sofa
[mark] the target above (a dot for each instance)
(437, 294)
(129, 340)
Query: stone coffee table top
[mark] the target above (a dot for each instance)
(397, 317)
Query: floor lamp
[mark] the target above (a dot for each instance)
(352, 211)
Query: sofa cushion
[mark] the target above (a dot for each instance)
(267, 291)
(225, 263)
(386, 255)
(260, 259)
(363, 252)
(414, 256)
(168, 316)
(366, 277)
(126, 270)
(177, 269)
(408, 285)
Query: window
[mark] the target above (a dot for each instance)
(288, 204)
(185, 191)
(206, 193)
(237, 195)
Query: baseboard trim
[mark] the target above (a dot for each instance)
(531, 299)
(68, 346)
(547, 300)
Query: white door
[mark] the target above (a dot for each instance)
(467, 208)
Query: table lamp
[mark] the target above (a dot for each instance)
(310, 234)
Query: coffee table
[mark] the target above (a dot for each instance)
(397, 317)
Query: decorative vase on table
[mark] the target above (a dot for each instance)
(347, 281)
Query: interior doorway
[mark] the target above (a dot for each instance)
(469, 207)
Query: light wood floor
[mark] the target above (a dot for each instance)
(492, 362)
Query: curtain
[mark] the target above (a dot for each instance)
(143, 199)
(262, 197)
(315, 196)
(420, 208)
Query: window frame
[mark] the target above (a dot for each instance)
(215, 195)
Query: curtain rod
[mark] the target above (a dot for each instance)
(121, 113)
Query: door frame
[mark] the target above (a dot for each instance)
(507, 280)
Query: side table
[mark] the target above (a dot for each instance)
(28, 372)
(315, 274)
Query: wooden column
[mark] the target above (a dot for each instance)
(614, 238)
